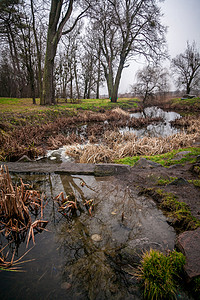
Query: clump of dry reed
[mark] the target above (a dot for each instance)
(120, 111)
(116, 145)
(15, 206)
(66, 205)
(190, 123)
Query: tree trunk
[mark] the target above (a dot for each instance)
(39, 59)
(48, 95)
(86, 88)
(71, 83)
(76, 79)
(115, 87)
(188, 89)
(98, 74)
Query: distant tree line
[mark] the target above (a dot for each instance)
(68, 49)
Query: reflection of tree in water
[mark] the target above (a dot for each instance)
(93, 270)
(90, 270)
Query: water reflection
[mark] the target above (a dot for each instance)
(155, 130)
(70, 262)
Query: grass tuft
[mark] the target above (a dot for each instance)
(159, 273)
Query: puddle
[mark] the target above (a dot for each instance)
(88, 257)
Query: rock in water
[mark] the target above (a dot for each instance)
(96, 237)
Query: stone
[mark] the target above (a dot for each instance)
(66, 285)
(198, 159)
(110, 169)
(195, 169)
(188, 243)
(179, 181)
(180, 155)
(188, 96)
(144, 163)
(96, 237)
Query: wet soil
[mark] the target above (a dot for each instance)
(147, 177)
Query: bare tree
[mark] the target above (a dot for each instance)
(186, 68)
(68, 65)
(60, 13)
(9, 34)
(150, 81)
(125, 29)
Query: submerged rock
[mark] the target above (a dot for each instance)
(96, 237)
(188, 243)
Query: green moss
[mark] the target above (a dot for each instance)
(186, 102)
(166, 159)
(196, 285)
(128, 160)
(178, 212)
(195, 182)
(159, 273)
(165, 181)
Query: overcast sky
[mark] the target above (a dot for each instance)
(182, 17)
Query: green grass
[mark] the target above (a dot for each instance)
(166, 159)
(159, 273)
(194, 102)
(22, 111)
(25, 104)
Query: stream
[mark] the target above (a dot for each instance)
(88, 256)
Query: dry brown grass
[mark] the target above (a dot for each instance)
(190, 123)
(16, 202)
(116, 146)
(121, 112)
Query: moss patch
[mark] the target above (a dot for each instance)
(178, 212)
(195, 182)
(165, 181)
(166, 159)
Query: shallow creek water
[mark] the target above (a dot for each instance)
(88, 257)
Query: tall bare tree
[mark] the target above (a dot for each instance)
(186, 68)
(9, 34)
(125, 29)
(60, 13)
